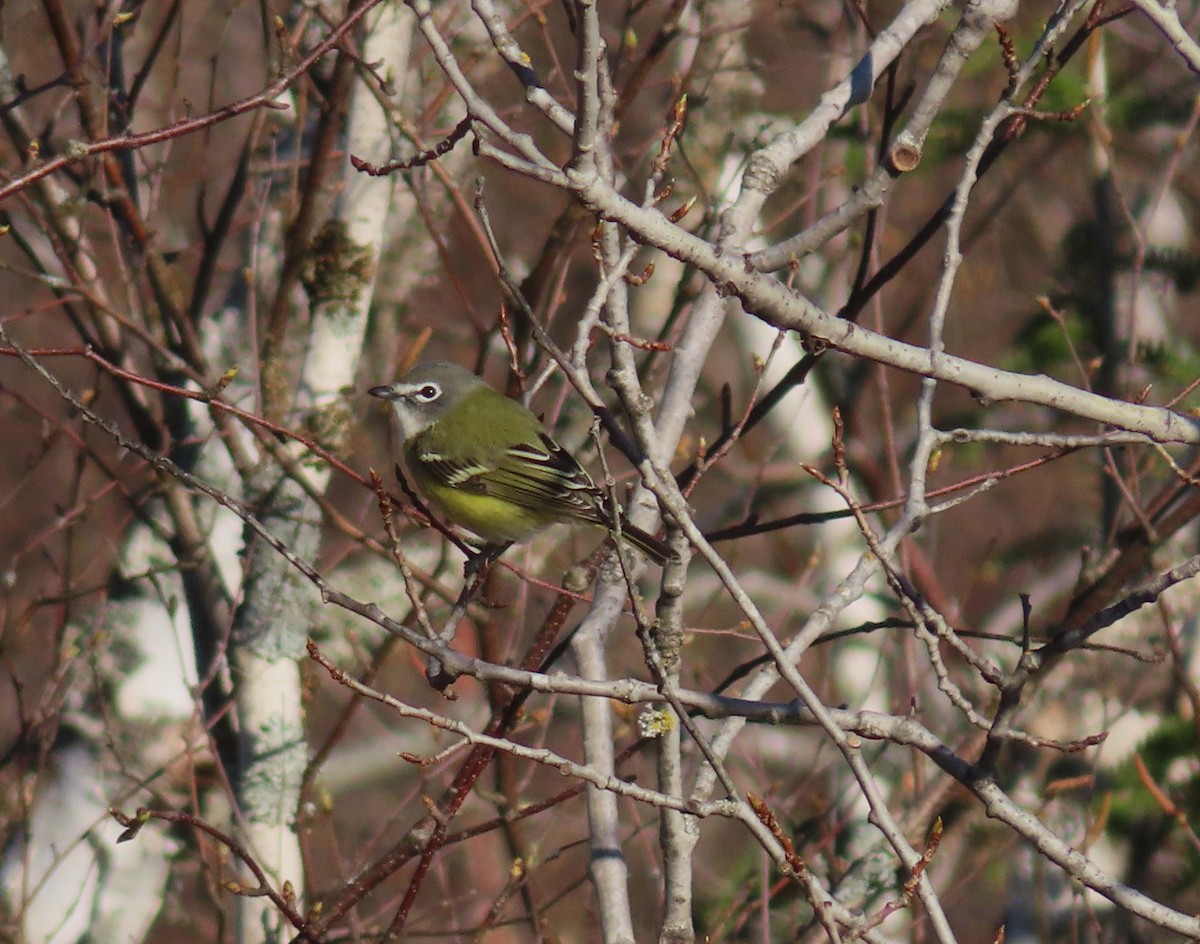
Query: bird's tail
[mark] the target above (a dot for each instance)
(658, 551)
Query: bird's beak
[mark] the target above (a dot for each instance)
(384, 393)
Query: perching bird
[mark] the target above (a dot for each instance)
(490, 466)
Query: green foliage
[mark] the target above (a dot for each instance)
(1091, 261)
(854, 155)
(1171, 364)
(1044, 346)
(1171, 755)
(1136, 107)
(1067, 91)
(950, 137)
(1182, 267)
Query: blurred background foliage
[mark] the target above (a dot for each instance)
(193, 235)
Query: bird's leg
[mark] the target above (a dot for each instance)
(475, 570)
(477, 564)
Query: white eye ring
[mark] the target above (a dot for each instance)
(427, 392)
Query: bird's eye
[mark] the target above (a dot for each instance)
(429, 393)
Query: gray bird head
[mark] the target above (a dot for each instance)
(426, 394)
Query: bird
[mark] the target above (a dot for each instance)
(490, 466)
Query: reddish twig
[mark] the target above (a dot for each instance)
(267, 98)
(284, 899)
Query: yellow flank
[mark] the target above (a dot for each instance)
(494, 519)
